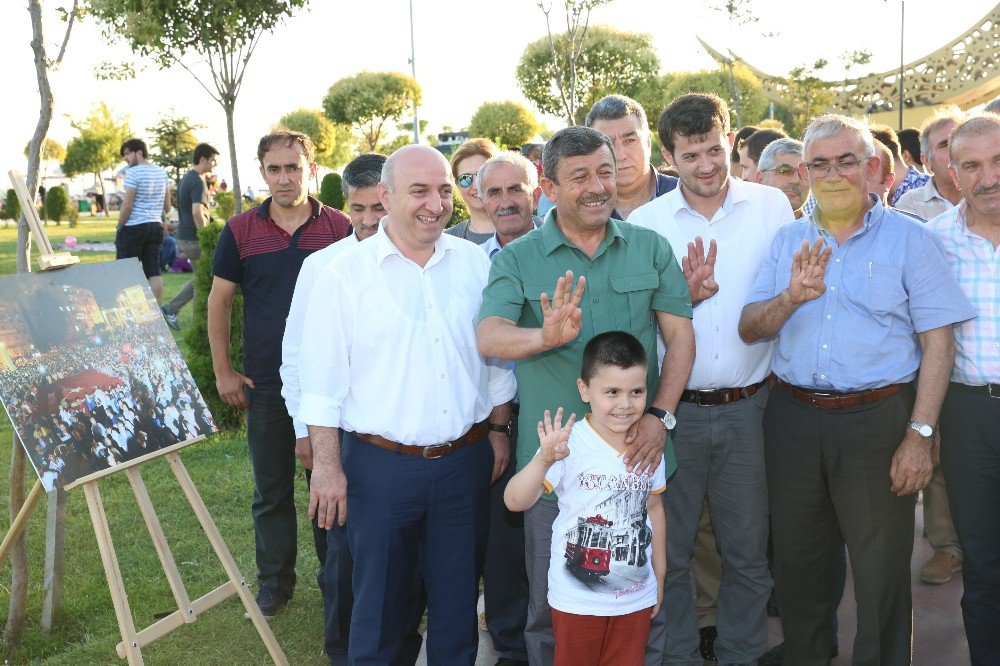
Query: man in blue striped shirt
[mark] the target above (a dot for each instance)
(140, 220)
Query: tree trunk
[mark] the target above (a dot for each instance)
(230, 106)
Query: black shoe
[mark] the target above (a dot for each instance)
(270, 602)
(773, 657)
(171, 318)
(707, 647)
(506, 661)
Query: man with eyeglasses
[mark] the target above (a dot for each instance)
(861, 301)
(779, 167)
(718, 440)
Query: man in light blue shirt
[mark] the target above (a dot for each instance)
(862, 301)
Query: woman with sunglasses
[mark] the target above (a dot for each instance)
(465, 163)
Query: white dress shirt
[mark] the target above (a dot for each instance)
(292, 342)
(925, 202)
(743, 229)
(389, 347)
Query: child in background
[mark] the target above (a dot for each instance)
(609, 539)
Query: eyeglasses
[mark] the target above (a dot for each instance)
(783, 170)
(465, 179)
(822, 169)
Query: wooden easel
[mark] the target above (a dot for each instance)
(187, 610)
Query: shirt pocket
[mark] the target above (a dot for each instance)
(633, 295)
(533, 298)
(878, 288)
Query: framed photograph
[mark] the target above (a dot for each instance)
(89, 374)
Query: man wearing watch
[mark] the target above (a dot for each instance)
(719, 442)
(864, 346)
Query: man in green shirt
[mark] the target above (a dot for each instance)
(629, 280)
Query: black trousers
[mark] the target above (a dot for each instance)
(828, 469)
(970, 460)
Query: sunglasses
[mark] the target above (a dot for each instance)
(465, 179)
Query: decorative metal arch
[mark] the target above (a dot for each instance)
(964, 73)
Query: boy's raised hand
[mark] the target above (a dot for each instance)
(554, 437)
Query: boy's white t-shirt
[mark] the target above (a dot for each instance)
(602, 538)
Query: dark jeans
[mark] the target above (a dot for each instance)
(142, 241)
(828, 469)
(271, 440)
(970, 459)
(409, 514)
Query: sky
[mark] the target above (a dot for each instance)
(466, 54)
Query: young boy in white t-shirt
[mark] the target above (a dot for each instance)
(609, 539)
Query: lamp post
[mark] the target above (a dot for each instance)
(413, 70)
(902, 8)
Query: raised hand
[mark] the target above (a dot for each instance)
(808, 268)
(699, 270)
(561, 318)
(554, 437)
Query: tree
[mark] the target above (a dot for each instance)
(173, 144)
(56, 202)
(345, 148)
(507, 124)
(98, 146)
(331, 192)
(739, 15)
(317, 127)
(656, 93)
(222, 34)
(52, 150)
(368, 100)
(11, 207)
(807, 92)
(569, 82)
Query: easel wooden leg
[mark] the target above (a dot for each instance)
(113, 573)
(160, 542)
(228, 563)
(21, 520)
(55, 533)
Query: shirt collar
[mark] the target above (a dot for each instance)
(662, 184)
(491, 246)
(384, 247)
(264, 209)
(930, 192)
(553, 237)
(736, 193)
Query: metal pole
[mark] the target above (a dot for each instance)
(413, 69)
(902, 10)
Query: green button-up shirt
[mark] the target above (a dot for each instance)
(633, 273)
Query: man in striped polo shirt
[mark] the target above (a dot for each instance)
(140, 220)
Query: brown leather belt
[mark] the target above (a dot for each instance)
(722, 396)
(830, 400)
(475, 433)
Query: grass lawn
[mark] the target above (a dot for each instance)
(88, 631)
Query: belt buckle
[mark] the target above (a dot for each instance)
(699, 398)
(819, 394)
(444, 449)
(993, 390)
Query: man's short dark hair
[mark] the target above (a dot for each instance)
(616, 348)
(286, 138)
(572, 142)
(888, 137)
(741, 136)
(694, 114)
(363, 171)
(134, 145)
(759, 140)
(614, 107)
(203, 151)
(909, 140)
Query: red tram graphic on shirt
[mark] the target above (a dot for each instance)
(588, 546)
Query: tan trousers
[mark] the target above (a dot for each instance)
(706, 569)
(937, 517)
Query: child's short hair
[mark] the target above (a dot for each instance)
(616, 348)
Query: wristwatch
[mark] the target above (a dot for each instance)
(924, 429)
(668, 419)
(500, 427)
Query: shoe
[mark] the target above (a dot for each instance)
(270, 603)
(707, 647)
(171, 317)
(506, 661)
(773, 657)
(939, 568)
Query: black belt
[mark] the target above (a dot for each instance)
(992, 389)
(722, 396)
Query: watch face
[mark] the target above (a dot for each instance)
(925, 430)
(670, 421)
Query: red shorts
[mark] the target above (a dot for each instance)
(591, 640)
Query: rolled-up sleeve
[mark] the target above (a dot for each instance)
(291, 344)
(326, 342)
(503, 386)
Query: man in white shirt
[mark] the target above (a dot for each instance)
(718, 440)
(940, 193)
(393, 362)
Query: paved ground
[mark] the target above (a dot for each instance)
(938, 635)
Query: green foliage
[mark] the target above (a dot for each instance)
(313, 124)
(73, 215)
(368, 100)
(11, 206)
(345, 148)
(224, 204)
(657, 93)
(460, 211)
(173, 144)
(56, 203)
(98, 145)
(331, 191)
(507, 124)
(199, 354)
(51, 150)
(611, 61)
(807, 93)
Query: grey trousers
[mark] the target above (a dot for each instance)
(720, 458)
(192, 249)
